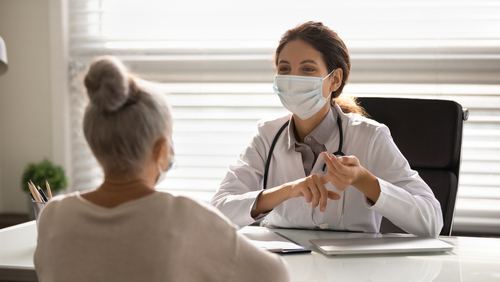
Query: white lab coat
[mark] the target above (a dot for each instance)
(405, 198)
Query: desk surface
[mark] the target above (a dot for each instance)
(472, 259)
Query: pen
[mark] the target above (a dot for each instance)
(31, 194)
(34, 193)
(31, 191)
(48, 189)
(42, 194)
(37, 194)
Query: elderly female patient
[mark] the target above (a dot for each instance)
(124, 230)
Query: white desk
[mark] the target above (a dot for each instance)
(473, 259)
(17, 245)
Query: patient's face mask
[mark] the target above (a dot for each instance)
(301, 95)
(163, 174)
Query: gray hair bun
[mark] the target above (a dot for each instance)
(107, 83)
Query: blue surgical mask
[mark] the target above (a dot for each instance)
(301, 95)
(163, 174)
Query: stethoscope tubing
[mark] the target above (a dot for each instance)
(337, 153)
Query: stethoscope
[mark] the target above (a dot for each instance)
(337, 153)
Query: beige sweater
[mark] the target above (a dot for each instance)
(159, 237)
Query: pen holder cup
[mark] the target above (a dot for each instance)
(38, 206)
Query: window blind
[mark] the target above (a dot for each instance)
(214, 58)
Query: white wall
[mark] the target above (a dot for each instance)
(26, 128)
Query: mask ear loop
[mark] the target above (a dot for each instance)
(331, 92)
(329, 74)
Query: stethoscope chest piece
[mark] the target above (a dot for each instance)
(326, 225)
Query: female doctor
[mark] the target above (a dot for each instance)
(324, 154)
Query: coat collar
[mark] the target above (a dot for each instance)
(324, 133)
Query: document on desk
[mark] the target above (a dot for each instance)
(275, 242)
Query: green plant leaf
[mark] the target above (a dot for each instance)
(44, 170)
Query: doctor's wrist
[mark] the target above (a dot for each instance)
(270, 198)
(368, 184)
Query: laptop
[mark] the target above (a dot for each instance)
(380, 245)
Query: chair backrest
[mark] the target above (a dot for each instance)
(429, 134)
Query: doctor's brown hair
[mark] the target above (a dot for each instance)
(334, 53)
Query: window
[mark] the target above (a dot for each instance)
(215, 60)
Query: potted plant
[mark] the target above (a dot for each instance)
(40, 172)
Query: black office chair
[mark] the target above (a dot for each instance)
(429, 134)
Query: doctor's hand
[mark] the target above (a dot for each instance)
(346, 170)
(313, 189)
